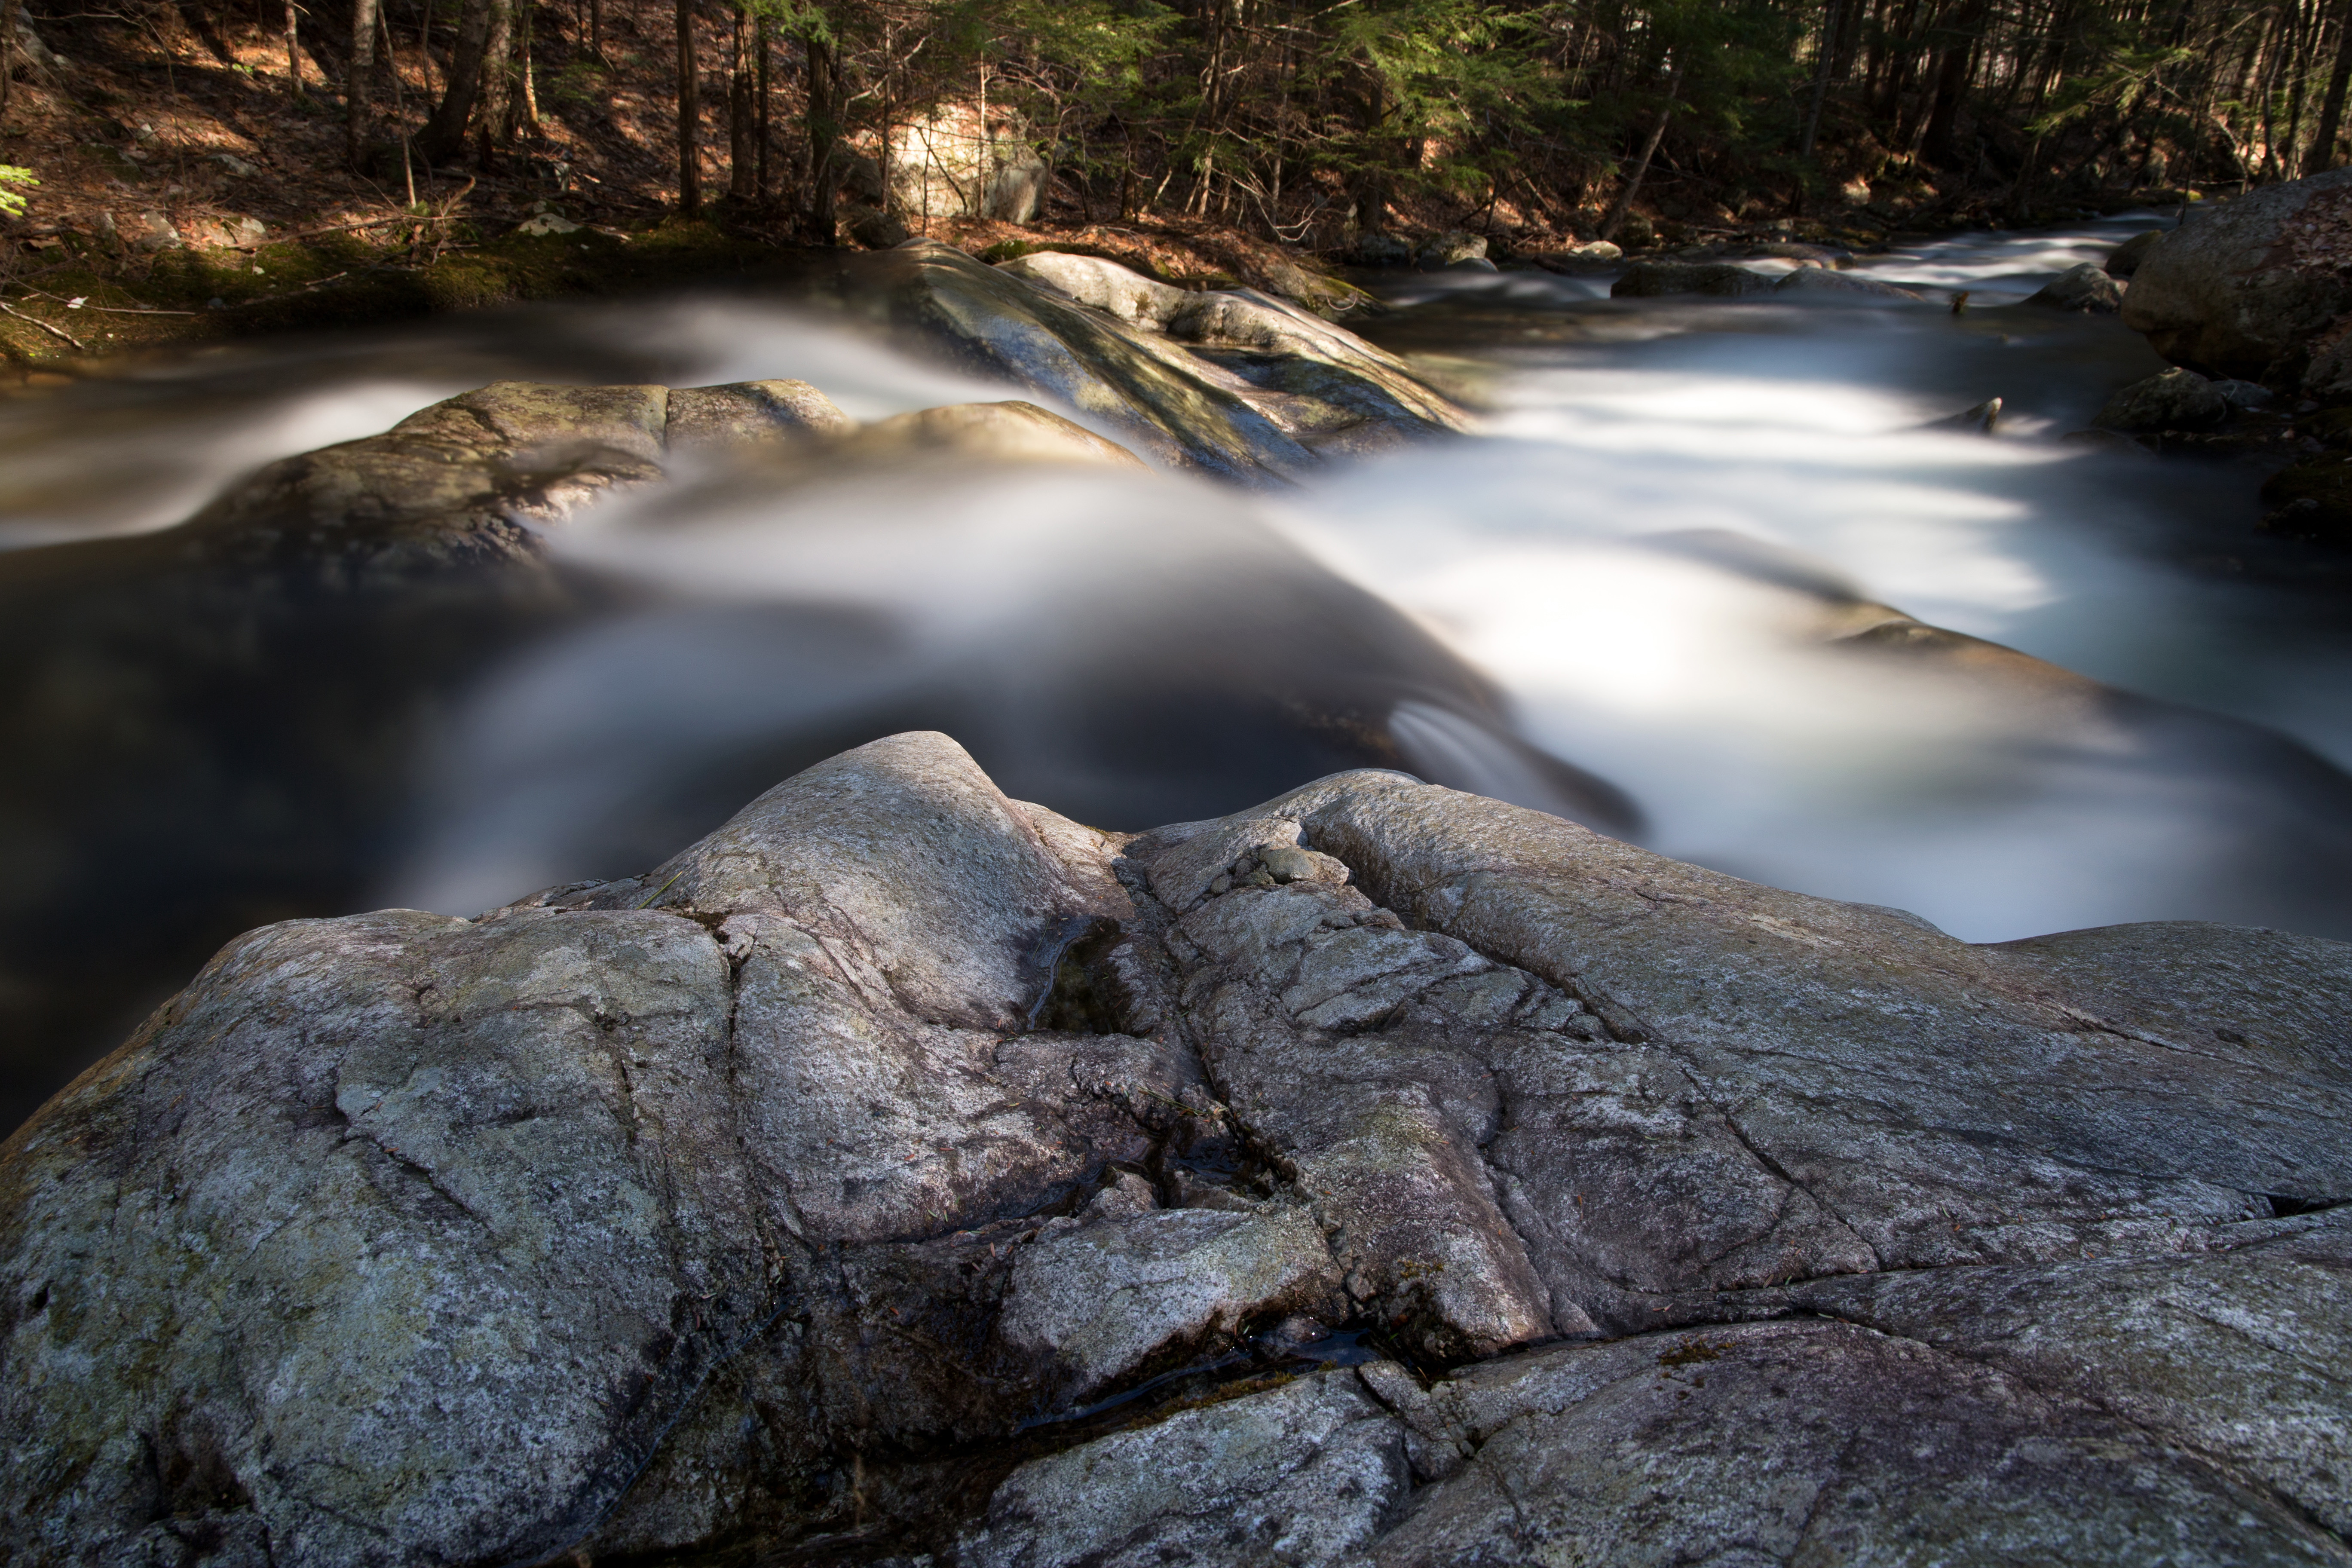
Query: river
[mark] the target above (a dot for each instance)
(1668, 509)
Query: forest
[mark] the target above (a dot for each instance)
(1306, 123)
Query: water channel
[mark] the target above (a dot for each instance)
(1672, 508)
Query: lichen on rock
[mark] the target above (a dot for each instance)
(903, 1168)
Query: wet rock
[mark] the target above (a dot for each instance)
(803, 1173)
(2178, 399)
(2124, 260)
(1979, 420)
(748, 416)
(2085, 289)
(1648, 279)
(1237, 383)
(1327, 386)
(1821, 282)
(1008, 432)
(2243, 288)
(1376, 249)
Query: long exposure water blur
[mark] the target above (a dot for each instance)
(1670, 510)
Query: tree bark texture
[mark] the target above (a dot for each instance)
(359, 89)
(689, 116)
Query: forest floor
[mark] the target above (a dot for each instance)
(189, 194)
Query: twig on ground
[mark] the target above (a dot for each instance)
(112, 310)
(54, 332)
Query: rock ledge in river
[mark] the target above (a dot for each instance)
(811, 1178)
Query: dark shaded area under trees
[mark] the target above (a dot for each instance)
(1314, 122)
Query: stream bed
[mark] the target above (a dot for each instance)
(1670, 509)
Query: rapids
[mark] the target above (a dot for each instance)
(1666, 502)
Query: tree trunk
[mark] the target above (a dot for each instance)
(1616, 218)
(763, 40)
(360, 81)
(742, 112)
(293, 54)
(1820, 79)
(1951, 81)
(689, 116)
(824, 137)
(2331, 110)
(497, 119)
(9, 10)
(444, 133)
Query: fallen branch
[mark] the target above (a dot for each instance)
(53, 332)
(112, 310)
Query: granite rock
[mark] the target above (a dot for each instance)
(829, 1186)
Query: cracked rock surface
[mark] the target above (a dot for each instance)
(1382, 1175)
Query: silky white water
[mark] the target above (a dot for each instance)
(1646, 548)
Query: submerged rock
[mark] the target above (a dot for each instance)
(827, 1165)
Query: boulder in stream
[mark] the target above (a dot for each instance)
(2176, 399)
(2243, 288)
(809, 1192)
(1233, 382)
(2084, 290)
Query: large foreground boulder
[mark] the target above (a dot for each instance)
(808, 1193)
(2243, 287)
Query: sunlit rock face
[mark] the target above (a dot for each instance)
(1513, 1192)
(1234, 383)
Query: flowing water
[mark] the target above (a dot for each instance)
(1644, 560)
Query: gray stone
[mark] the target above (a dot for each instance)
(2085, 289)
(2126, 260)
(1810, 1442)
(1102, 1300)
(1302, 1476)
(1376, 249)
(2243, 287)
(2178, 399)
